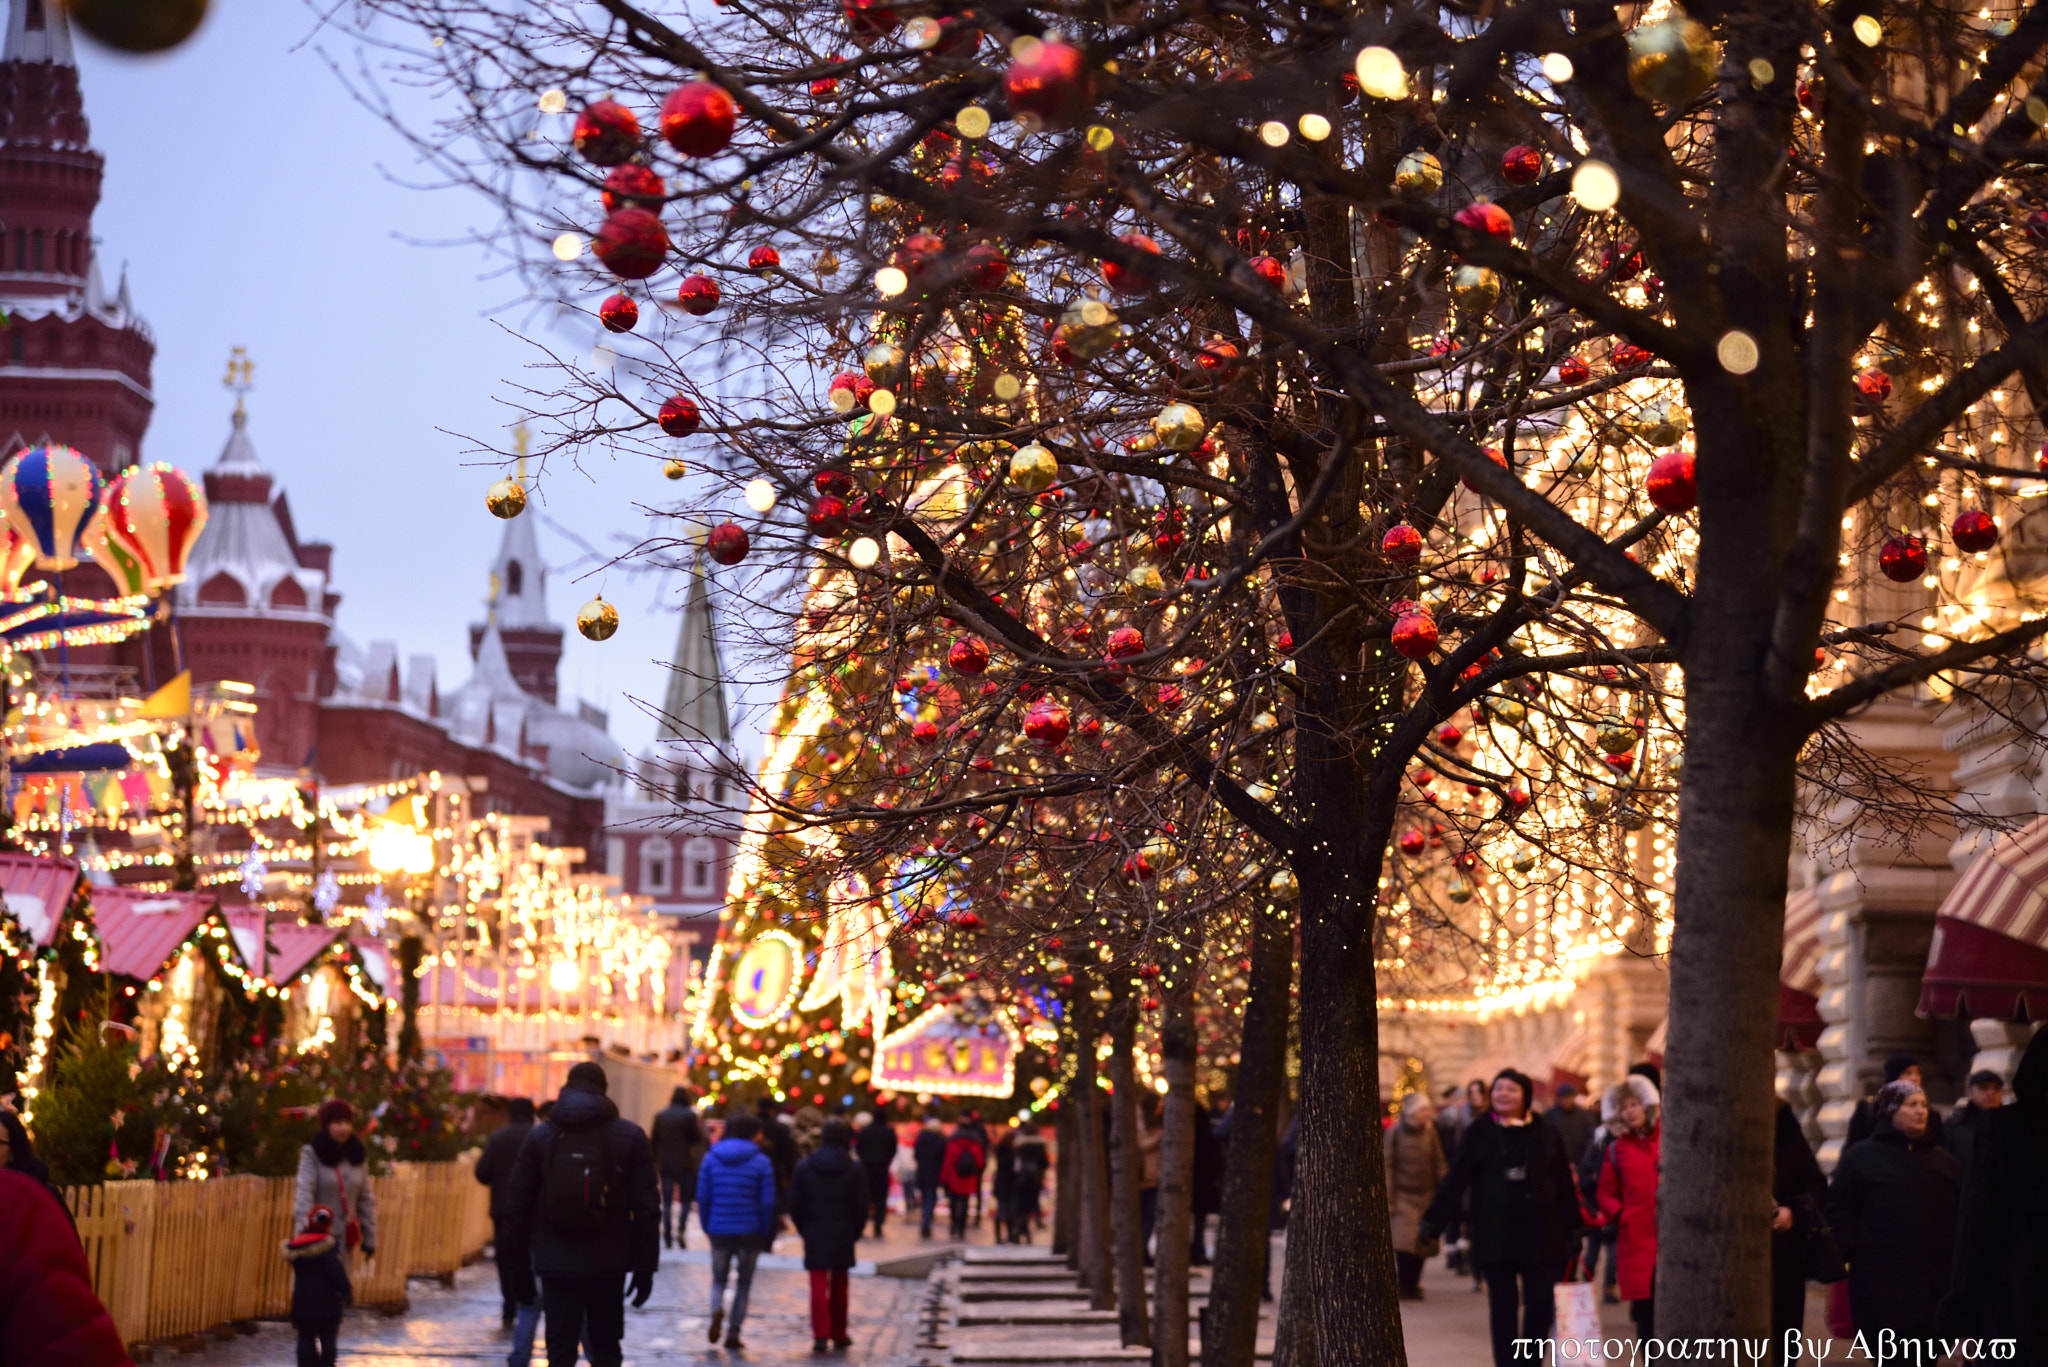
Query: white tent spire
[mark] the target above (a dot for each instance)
(37, 31)
(694, 708)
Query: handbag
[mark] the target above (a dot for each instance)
(352, 1230)
(1577, 1321)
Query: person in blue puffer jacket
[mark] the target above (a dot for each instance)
(736, 1208)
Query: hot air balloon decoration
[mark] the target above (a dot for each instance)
(17, 555)
(130, 578)
(154, 513)
(49, 494)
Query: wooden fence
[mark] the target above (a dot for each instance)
(176, 1258)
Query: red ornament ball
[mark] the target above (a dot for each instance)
(763, 258)
(925, 733)
(918, 253)
(828, 516)
(1873, 387)
(1521, 164)
(1484, 217)
(633, 184)
(1130, 279)
(1047, 724)
(1049, 85)
(1629, 356)
(727, 543)
(697, 119)
(679, 416)
(1415, 634)
(1124, 642)
(631, 244)
(1572, 370)
(869, 20)
(1671, 485)
(618, 313)
(1493, 453)
(1402, 544)
(838, 483)
(1624, 260)
(963, 173)
(853, 384)
(1270, 271)
(1413, 842)
(1219, 357)
(698, 295)
(1903, 558)
(606, 133)
(2037, 225)
(986, 266)
(968, 656)
(1974, 530)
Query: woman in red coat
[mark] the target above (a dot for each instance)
(961, 1174)
(48, 1312)
(1628, 1191)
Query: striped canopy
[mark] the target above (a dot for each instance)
(1990, 951)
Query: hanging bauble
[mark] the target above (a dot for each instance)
(1672, 61)
(1903, 558)
(925, 733)
(679, 415)
(607, 133)
(727, 543)
(828, 516)
(1521, 164)
(1415, 634)
(130, 580)
(968, 656)
(506, 498)
(884, 363)
(1475, 289)
(1419, 173)
(1220, 358)
(1663, 424)
(849, 391)
(1283, 886)
(1628, 356)
(155, 513)
(1047, 723)
(963, 173)
(1131, 279)
(698, 295)
(1593, 799)
(919, 253)
(764, 259)
(1671, 483)
(597, 619)
(1413, 842)
(634, 185)
(1615, 735)
(868, 20)
(1524, 859)
(1872, 388)
(1572, 370)
(17, 557)
(697, 119)
(1973, 530)
(1145, 580)
(1138, 868)
(1458, 888)
(49, 493)
(1179, 427)
(1402, 544)
(1494, 454)
(631, 244)
(1514, 802)
(1271, 271)
(985, 266)
(1506, 711)
(618, 313)
(1482, 216)
(138, 26)
(1087, 328)
(834, 481)
(1123, 643)
(675, 467)
(1034, 469)
(1621, 260)
(1048, 85)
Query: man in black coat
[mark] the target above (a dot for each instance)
(1800, 1189)
(583, 1197)
(2000, 1286)
(1207, 1182)
(780, 1145)
(1574, 1123)
(678, 1148)
(828, 1203)
(1986, 1098)
(930, 1153)
(874, 1143)
(494, 1170)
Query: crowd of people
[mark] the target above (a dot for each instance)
(1926, 1228)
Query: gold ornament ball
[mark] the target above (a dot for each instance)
(506, 498)
(1594, 799)
(884, 362)
(1088, 328)
(1673, 61)
(1144, 580)
(1674, 762)
(1616, 736)
(1419, 173)
(1180, 427)
(138, 25)
(1524, 860)
(1475, 289)
(1284, 885)
(1034, 469)
(675, 467)
(1459, 888)
(597, 620)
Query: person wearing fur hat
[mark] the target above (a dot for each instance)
(1628, 1190)
(1415, 1163)
(334, 1172)
(1892, 1205)
(1897, 1068)
(320, 1287)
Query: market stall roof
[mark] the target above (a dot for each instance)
(296, 945)
(1990, 951)
(37, 890)
(139, 931)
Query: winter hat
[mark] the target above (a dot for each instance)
(1896, 1066)
(1644, 1091)
(319, 1220)
(520, 1112)
(1890, 1097)
(334, 1110)
(1566, 1090)
(589, 1076)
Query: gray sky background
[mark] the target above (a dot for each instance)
(256, 204)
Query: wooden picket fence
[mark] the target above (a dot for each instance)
(171, 1259)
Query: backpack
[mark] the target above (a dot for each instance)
(968, 1163)
(576, 1185)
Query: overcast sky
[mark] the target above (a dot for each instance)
(256, 204)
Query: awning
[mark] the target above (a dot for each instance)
(1799, 984)
(37, 891)
(1990, 952)
(296, 945)
(139, 931)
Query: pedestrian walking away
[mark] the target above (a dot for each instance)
(961, 1176)
(1032, 1165)
(679, 1146)
(320, 1287)
(2001, 1271)
(48, 1312)
(1798, 1222)
(1207, 1182)
(874, 1144)
(334, 1172)
(1524, 1217)
(1003, 1186)
(1573, 1122)
(494, 1170)
(1628, 1192)
(736, 1205)
(1892, 1204)
(930, 1153)
(828, 1203)
(1415, 1165)
(778, 1140)
(583, 1197)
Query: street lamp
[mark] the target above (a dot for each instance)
(398, 849)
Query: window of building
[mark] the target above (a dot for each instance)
(700, 857)
(515, 578)
(654, 857)
(39, 248)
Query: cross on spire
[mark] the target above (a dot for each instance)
(240, 378)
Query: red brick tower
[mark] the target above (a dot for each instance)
(74, 360)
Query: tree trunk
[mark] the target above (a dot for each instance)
(1230, 1322)
(410, 947)
(1173, 1228)
(1066, 1184)
(1127, 1223)
(1294, 1327)
(1091, 1233)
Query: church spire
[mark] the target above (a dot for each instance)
(694, 708)
(37, 32)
